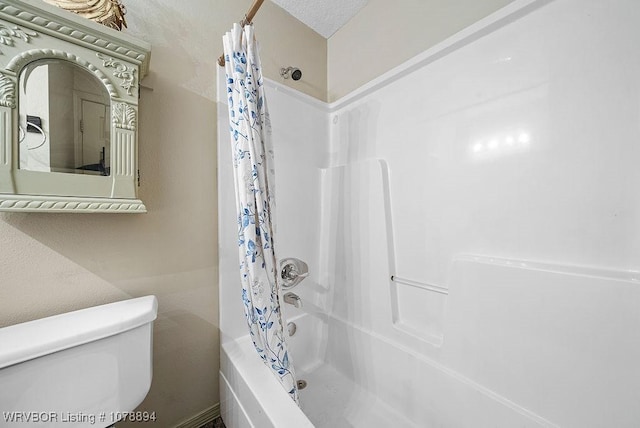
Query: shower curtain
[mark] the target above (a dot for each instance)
(254, 181)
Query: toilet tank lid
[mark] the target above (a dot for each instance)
(33, 339)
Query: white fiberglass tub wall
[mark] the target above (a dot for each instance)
(494, 177)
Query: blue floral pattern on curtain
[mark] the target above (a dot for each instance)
(255, 198)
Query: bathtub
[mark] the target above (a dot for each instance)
(473, 255)
(357, 378)
(249, 394)
(349, 389)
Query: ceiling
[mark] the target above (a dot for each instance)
(324, 16)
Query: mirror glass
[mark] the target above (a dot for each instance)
(64, 122)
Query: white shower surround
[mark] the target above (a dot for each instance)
(495, 177)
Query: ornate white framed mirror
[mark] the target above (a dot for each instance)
(69, 93)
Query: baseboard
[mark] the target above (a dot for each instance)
(205, 416)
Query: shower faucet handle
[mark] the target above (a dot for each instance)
(292, 271)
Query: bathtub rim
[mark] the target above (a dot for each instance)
(244, 373)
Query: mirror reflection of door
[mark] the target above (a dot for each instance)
(92, 144)
(64, 119)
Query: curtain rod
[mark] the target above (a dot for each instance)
(247, 20)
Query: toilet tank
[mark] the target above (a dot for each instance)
(79, 369)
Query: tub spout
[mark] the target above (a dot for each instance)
(292, 299)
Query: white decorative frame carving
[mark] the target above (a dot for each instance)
(31, 31)
(126, 74)
(18, 62)
(7, 34)
(124, 116)
(7, 92)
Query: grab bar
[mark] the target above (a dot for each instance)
(421, 285)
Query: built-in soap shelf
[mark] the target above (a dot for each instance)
(417, 308)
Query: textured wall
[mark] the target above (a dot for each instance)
(53, 263)
(383, 35)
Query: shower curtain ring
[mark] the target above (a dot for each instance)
(245, 21)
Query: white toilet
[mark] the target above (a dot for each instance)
(80, 369)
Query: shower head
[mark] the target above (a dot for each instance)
(294, 72)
